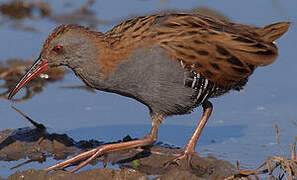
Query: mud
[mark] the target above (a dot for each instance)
(36, 144)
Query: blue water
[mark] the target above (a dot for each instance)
(241, 126)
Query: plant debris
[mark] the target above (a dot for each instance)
(276, 167)
(37, 125)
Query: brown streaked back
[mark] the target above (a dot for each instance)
(223, 52)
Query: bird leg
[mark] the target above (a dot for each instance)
(84, 158)
(189, 150)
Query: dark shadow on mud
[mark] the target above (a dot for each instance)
(29, 135)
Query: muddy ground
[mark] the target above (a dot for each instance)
(36, 144)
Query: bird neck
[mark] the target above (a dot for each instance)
(97, 68)
(96, 61)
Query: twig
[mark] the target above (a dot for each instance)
(287, 166)
(293, 149)
(278, 140)
(37, 125)
(257, 171)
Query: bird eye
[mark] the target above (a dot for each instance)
(58, 49)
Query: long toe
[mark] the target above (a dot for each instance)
(87, 157)
(180, 160)
(175, 161)
(73, 161)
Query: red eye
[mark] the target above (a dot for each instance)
(58, 49)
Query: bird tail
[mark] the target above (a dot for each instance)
(274, 31)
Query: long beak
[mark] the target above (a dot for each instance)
(38, 67)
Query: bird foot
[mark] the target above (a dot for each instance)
(84, 158)
(184, 155)
(81, 160)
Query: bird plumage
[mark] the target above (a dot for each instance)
(223, 52)
(216, 55)
(172, 63)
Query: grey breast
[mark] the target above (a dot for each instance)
(152, 77)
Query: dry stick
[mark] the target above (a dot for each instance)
(287, 165)
(294, 150)
(257, 171)
(269, 165)
(278, 140)
(289, 170)
(293, 163)
(281, 150)
(37, 125)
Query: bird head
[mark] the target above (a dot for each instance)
(69, 45)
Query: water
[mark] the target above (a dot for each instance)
(241, 126)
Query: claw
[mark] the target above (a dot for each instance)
(175, 161)
(184, 155)
(72, 161)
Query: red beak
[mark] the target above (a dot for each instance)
(38, 67)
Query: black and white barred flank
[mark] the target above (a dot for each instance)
(205, 88)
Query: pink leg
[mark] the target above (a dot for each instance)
(189, 150)
(105, 149)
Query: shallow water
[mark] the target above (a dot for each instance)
(241, 127)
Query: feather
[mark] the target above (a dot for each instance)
(223, 52)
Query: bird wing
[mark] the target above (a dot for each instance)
(222, 52)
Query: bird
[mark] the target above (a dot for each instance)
(170, 62)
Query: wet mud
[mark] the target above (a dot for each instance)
(36, 144)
